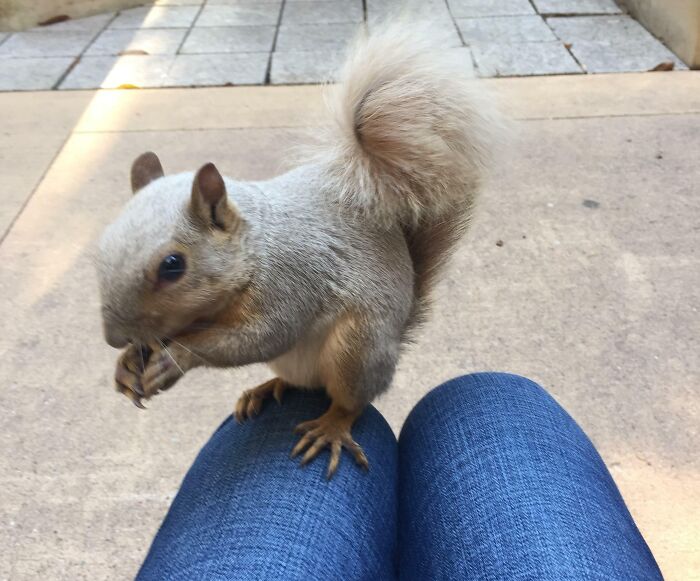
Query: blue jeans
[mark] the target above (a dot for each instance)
(490, 479)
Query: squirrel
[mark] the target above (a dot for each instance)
(323, 272)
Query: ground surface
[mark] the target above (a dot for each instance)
(594, 292)
(252, 42)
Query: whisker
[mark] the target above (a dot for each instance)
(171, 357)
(187, 349)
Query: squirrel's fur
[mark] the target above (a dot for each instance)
(319, 272)
(412, 133)
(411, 140)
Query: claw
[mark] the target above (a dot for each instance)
(314, 450)
(278, 391)
(134, 397)
(301, 446)
(253, 407)
(239, 411)
(138, 389)
(138, 404)
(130, 371)
(304, 427)
(160, 375)
(331, 430)
(128, 379)
(336, 449)
(251, 401)
(357, 453)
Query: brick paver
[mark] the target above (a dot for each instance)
(220, 42)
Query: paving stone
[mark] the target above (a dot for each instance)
(179, 2)
(446, 34)
(443, 31)
(150, 41)
(599, 57)
(301, 67)
(229, 39)
(107, 72)
(214, 69)
(249, 13)
(464, 55)
(608, 29)
(427, 10)
(31, 74)
(156, 17)
(46, 43)
(315, 36)
(523, 59)
(322, 11)
(168, 71)
(476, 8)
(577, 7)
(90, 23)
(305, 66)
(312, 36)
(236, 2)
(504, 29)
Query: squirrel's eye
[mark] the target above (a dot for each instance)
(172, 267)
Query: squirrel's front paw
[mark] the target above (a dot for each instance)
(130, 367)
(251, 401)
(165, 366)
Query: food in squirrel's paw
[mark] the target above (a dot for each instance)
(323, 272)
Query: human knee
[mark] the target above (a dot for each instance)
(475, 395)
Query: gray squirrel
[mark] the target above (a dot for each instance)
(322, 272)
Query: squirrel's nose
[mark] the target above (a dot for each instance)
(113, 328)
(114, 337)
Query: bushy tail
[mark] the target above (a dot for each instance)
(411, 140)
(412, 133)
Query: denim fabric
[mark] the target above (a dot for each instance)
(492, 478)
(245, 511)
(496, 481)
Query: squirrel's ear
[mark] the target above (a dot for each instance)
(210, 204)
(144, 170)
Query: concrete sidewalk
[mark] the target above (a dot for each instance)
(581, 271)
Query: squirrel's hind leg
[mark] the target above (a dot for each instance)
(251, 401)
(331, 430)
(356, 364)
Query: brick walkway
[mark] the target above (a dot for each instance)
(253, 42)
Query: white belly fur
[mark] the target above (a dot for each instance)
(300, 366)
